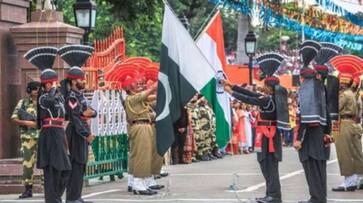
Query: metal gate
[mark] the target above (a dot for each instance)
(110, 147)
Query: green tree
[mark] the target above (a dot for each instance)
(105, 20)
(142, 21)
(270, 39)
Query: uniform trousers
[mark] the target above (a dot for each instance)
(144, 160)
(29, 149)
(270, 170)
(75, 183)
(55, 183)
(315, 173)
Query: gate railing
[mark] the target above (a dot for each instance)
(110, 147)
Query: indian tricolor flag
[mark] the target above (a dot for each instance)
(211, 43)
(184, 71)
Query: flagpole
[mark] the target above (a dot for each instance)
(206, 22)
(171, 9)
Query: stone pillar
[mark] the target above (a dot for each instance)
(13, 12)
(45, 29)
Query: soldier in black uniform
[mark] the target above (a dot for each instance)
(273, 116)
(53, 156)
(314, 129)
(78, 112)
(180, 131)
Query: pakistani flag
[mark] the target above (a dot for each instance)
(184, 71)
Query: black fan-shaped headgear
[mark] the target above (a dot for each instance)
(270, 63)
(75, 55)
(308, 51)
(42, 57)
(327, 52)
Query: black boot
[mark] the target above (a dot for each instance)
(144, 192)
(205, 157)
(27, 193)
(112, 178)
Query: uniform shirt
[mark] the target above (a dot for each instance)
(137, 108)
(347, 104)
(30, 107)
(76, 104)
(265, 102)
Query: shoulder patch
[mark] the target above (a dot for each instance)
(72, 104)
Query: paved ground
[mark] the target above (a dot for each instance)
(211, 182)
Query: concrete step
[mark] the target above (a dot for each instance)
(18, 189)
(11, 172)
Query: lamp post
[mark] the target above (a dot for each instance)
(85, 14)
(250, 48)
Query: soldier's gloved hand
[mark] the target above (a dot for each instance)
(89, 112)
(154, 86)
(297, 145)
(328, 140)
(228, 89)
(225, 82)
(181, 130)
(90, 138)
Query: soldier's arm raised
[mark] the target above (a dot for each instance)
(151, 98)
(50, 99)
(143, 96)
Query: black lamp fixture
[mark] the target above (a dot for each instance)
(85, 14)
(250, 43)
(250, 49)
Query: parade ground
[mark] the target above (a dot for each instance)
(213, 181)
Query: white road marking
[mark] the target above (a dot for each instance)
(215, 174)
(184, 200)
(289, 175)
(100, 193)
(231, 174)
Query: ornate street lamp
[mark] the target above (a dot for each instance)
(85, 14)
(250, 48)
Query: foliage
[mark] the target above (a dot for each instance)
(142, 23)
(230, 25)
(143, 34)
(196, 11)
(104, 22)
(269, 40)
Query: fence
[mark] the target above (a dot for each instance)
(110, 147)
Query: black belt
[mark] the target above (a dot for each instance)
(142, 121)
(313, 124)
(266, 123)
(52, 124)
(347, 117)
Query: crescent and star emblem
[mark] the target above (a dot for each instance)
(164, 81)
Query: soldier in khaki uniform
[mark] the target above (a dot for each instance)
(144, 162)
(24, 115)
(348, 142)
